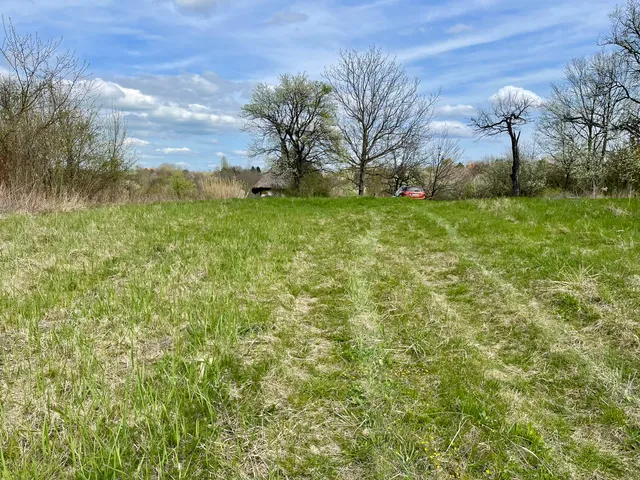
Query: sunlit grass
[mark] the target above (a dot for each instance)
(352, 338)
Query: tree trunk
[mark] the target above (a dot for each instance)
(567, 180)
(297, 177)
(361, 178)
(515, 168)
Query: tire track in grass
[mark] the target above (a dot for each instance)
(423, 380)
(327, 408)
(383, 424)
(560, 357)
(299, 428)
(394, 394)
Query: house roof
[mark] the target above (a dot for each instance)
(272, 181)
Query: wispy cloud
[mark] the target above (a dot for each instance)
(136, 142)
(173, 151)
(501, 28)
(452, 128)
(197, 5)
(455, 110)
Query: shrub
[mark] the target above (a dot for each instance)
(54, 137)
(622, 171)
(315, 184)
(180, 185)
(491, 178)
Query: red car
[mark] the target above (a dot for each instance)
(411, 192)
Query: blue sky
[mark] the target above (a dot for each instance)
(181, 69)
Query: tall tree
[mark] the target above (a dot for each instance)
(510, 109)
(625, 37)
(293, 125)
(381, 109)
(584, 113)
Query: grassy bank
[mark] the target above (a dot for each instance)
(354, 338)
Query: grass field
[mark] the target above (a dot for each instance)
(353, 339)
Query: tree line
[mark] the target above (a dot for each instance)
(367, 112)
(367, 117)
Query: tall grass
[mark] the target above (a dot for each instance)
(211, 187)
(308, 338)
(30, 200)
(22, 200)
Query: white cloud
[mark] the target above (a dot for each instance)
(455, 110)
(183, 164)
(135, 142)
(452, 128)
(197, 107)
(173, 151)
(180, 64)
(124, 98)
(459, 28)
(220, 154)
(175, 113)
(166, 103)
(242, 153)
(516, 93)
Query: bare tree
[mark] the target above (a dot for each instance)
(405, 166)
(293, 124)
(584, 113)
(509, 111)
(41, 85)
(54, 135)
(625, 36)
(443, 157)
(116, 154)
(559, 143)
(381, 109)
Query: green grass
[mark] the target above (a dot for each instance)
(352, 339)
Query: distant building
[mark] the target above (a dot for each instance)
(272, 184)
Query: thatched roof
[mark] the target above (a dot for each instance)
(272, 181)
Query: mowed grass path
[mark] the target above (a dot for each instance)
(355, 339)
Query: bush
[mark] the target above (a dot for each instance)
(167, 182)
(492, 178)
(622, 172)
(315, 185)
(54, 137)
(181, 186)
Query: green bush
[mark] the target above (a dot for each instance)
(315, 184)
(180, 185)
